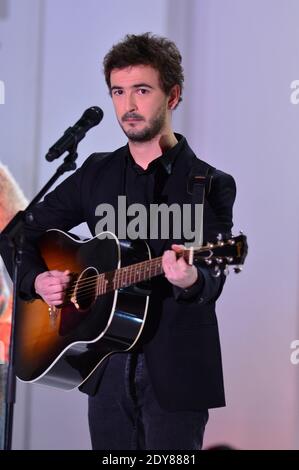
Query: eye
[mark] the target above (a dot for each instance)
(117, 92)
(142, 91)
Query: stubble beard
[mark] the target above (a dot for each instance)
(155, 126)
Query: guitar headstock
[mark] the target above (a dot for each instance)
(223, 253)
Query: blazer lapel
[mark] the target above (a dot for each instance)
(175, 192)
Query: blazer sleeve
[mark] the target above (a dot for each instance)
(218, 218)
(62, 209)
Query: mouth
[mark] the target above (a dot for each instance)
(132, 123)
(132, 119)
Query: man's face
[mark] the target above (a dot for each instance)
(139, 102)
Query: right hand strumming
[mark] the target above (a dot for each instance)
(51, 286)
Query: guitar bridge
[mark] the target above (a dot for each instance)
(53, 314)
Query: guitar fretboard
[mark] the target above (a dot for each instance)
(129, 275)
(222, 252)
(133, 274)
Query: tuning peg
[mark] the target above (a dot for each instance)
(210, 245)
(241, 232)
(208, 261)
(219, 260)
(237, 269)
(216, 271)
(231, 242)
(226, 271)
(220, 240)
(229, 259)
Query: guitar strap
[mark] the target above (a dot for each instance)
(199, 185)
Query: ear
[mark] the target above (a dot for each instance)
(174, 97)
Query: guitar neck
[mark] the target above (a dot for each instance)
(129, 275)
(134, 273)
(223, 253)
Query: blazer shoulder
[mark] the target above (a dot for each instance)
(96, 160)
(216, 179)
(221, 181)
(221, 198)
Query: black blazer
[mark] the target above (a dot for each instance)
(181, 347)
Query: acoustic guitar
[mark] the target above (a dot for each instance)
(105, 306)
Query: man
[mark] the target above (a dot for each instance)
(156, 397)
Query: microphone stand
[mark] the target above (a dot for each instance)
(13, 235)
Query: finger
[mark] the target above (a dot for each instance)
(169, 257)
(55, 273)
(59, 275)
(43, 275)
(54, 302)
(169, 271)
(55, 296)
(166, 263)
(51, 292)
(182, 263)
(178, 248)
(56, 283)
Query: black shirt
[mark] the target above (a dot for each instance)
(145, 186)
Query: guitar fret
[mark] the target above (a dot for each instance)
(103, 285)
(119, 279)
(100, 283)
(132, 274)
(135, 274)
(121, 273)
(115, 279)
(127, 277)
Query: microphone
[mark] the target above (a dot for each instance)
(72, 136)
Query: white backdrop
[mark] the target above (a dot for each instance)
(240, 58)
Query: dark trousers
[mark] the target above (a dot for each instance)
(125, 415)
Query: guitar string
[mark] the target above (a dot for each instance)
(135, 270)
(141, 264)
(90, 284)
(184, 253)
(117, 282)
(132, 271)
(122, 277)
(137, 266)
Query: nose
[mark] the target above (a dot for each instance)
(130, 102)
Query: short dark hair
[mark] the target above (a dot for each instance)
(147, 49)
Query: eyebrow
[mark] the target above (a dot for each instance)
(137, 85)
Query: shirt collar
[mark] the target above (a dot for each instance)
(167, 159)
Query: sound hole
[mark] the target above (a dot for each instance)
(86, 289)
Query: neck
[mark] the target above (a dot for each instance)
(145, 152)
